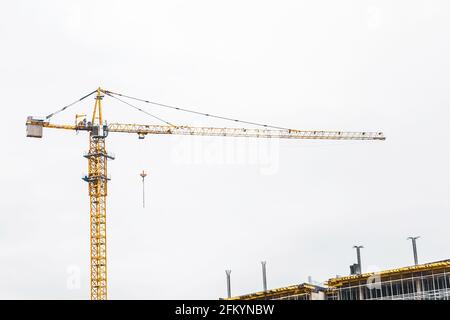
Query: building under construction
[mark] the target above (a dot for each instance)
(429, 281)
(304, 291)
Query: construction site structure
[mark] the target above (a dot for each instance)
(97, 178)
(429, 281)
(304, 291)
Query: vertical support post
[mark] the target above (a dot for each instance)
(358, 256)
(264, 275)
(361, 290)
(228, 273)
(414, 246)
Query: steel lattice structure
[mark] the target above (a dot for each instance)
(98, 157)
(98, 190)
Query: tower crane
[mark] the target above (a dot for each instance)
(97, 176)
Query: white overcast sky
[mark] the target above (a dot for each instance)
(346, 65)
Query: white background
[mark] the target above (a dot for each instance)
(346, 65)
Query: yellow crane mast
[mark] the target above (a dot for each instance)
(98, 157)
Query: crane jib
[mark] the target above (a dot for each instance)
(35, 128)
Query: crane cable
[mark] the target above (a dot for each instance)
(110, 93)
(69, 105)
(137, 108)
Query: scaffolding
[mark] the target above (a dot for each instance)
(430, 281)
(304, 291)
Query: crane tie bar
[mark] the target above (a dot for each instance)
(192, 111)
(69, 105)
(137, 108)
